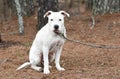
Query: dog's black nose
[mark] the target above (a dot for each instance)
(56, 27)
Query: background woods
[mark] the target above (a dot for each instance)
(11, 8)
(8, 9)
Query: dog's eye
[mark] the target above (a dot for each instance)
(51, 19)
(60, 19)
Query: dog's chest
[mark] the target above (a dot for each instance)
(55, 45)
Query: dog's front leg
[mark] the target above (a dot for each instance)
(45, 58)
(57, 60)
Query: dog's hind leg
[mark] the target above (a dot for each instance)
(34, 64)
(35, 61)
(36, 68)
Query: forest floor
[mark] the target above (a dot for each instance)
(80, 62)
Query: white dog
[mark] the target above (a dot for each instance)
(47, 45)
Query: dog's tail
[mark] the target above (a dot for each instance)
(24, 65)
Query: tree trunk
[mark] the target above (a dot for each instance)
(7, 9)
(71, 3)
(89, 4)
(20, 17)
(27, 7)
(114, 5)
(43, 7)
(4, 10)
(105, 6)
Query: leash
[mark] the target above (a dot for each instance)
(89, 44)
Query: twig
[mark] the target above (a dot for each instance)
(93, 22)
(3, 61)
(11, 33)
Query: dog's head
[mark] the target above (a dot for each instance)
(56, 20)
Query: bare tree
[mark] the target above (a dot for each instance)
(20, 17)
(27, 7)
(71, 4)
(43, 7)
(7, 9)
(24, 7)
(89, 4)
(105, 6)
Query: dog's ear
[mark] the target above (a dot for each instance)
(64, 13)
(47, 14)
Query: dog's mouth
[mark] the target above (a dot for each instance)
(57, 31)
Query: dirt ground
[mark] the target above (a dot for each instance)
(80, 62)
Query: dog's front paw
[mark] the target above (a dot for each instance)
(60, 69)
(46, 71)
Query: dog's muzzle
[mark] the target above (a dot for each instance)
(56, 29)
